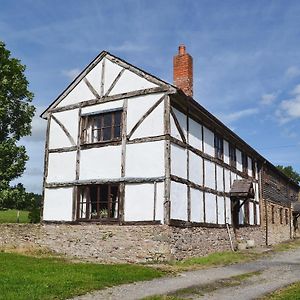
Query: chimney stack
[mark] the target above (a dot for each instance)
(183, 71)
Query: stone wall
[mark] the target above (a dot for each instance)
(113, 243)
(279, 227)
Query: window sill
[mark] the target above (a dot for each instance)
(101, 144)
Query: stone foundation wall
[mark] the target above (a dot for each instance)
(113, 243)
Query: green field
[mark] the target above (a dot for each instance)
(25, 277)
(10, 216)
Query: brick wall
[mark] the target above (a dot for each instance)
(183, 71)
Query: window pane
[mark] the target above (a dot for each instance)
(117, 118)
(106, 134)
(117, 132)
(107, 120)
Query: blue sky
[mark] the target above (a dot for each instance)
(246, 59)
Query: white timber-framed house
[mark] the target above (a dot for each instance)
(125, 147)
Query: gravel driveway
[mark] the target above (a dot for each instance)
(277, 271)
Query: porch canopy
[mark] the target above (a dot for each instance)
(242, 189)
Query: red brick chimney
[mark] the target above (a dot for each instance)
(183, 71)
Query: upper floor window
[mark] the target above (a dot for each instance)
(232, 155)
(245, 162)
(102, 127)
(219, 147)
(253, 169)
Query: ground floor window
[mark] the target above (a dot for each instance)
(99, 201)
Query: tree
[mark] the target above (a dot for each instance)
(290, 172)
(16, 114)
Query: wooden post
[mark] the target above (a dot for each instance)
(167, 182)
(123, 162)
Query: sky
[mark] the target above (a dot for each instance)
(246, 59)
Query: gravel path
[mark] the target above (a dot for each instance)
(278, 270)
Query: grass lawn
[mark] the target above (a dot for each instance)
(291, 292)
(214, 259)
(25, 277)
(10, 216)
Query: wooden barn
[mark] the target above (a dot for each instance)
(123, 146)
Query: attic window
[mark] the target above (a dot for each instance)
(102, 127)
(232, 156)
(245, 162)
(218, 147)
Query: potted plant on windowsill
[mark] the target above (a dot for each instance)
(103, 213)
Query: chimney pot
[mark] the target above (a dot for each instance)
(183, 71)
(181, 49)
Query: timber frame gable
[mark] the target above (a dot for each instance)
(102, 95)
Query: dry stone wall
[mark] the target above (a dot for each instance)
(114, 244)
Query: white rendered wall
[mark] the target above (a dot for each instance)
(226, 152)
(256, 171)
(228, 210)
(61, 167)
(139, 202)
(57, 137)
(145, 160)
(227, 180)
(103, 162)
(256, 188)
(249, 166)
(58, 204)
(209, 143)
(178, 197)
(251, 213)
(239, 160)
(111, 71)
(174, 130)
(210, 208)
(98, 108)
(153, 125)
(220, 179)
(258, 214)
(182, 120)
(160, 199)
(195, 168)
(178, 161)
(221, 210)
(195, 134)
(241, 214)
(80, 93)
(94, 77)
(138, 106)
(129, 82)
(209, 178)
(197, 206)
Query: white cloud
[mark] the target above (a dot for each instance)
(72, 73)
(38, 127)
(268, 99)
(232, 117)
(292, 72)
(128, 47)
(296, 90)
(289, 109)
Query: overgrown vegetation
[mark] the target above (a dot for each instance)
(291, 292)
(25, 277)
